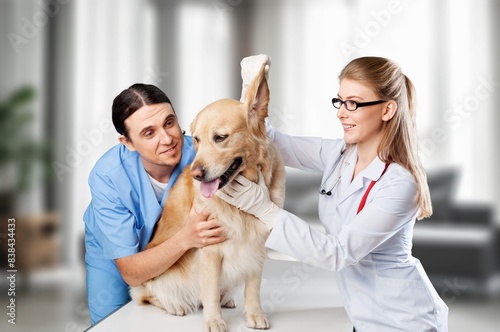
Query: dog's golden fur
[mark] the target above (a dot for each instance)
(227, 134)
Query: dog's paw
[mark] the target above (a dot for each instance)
(178, 311)
(230, 304)
(257, 320)
(215, 325)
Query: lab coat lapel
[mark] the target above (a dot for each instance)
(372, 172)
(347, 188)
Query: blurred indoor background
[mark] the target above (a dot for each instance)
(63, 61)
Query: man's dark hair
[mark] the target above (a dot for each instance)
(133, 98)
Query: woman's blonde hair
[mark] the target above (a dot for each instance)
(399, 142)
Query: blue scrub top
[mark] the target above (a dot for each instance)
(120, 218)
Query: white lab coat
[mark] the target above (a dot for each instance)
(384, 288)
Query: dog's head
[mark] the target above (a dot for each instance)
(230, 138)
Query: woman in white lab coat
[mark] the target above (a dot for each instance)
(373, 189)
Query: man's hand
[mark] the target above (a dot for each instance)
(199, 231)
(196, 233)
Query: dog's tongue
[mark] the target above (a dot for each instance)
(208, 189)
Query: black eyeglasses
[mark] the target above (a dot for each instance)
(351, 105)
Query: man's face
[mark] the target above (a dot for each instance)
(155, 134)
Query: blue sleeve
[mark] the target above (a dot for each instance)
(113, 224)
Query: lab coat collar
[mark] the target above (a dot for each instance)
(372, 172)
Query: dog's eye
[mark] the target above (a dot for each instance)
(196, 139)
(219, 138)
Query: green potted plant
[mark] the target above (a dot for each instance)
(20, 151)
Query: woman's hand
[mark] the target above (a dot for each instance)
(250, 197)
(250, 68)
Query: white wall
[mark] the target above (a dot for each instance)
(444, 47)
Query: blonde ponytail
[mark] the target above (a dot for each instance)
(399, 143)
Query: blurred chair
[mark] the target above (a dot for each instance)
(458, 245)
(37, 242)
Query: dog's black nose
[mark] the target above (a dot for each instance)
(198, 173)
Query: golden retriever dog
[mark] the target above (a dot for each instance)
(230, 138)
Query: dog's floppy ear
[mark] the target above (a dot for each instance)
(192, 128)
(257, 101)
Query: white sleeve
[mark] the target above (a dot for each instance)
(392, 208)
(305, 153)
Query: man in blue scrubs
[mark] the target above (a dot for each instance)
(129, 185)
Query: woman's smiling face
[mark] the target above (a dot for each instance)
(366, 123)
